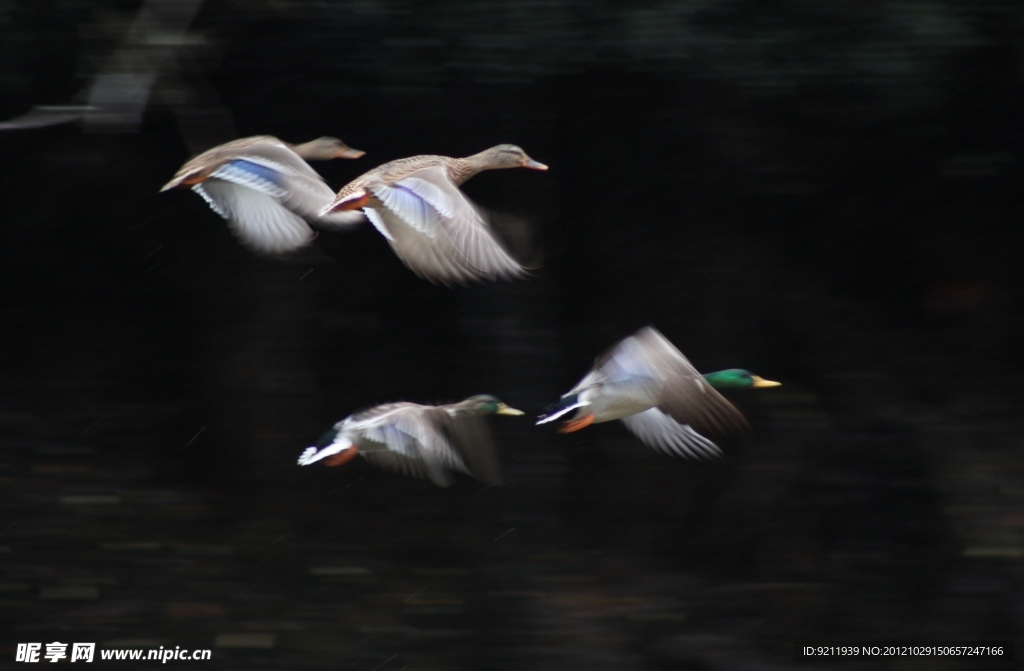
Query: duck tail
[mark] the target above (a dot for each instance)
(320, 451)
(567, 404)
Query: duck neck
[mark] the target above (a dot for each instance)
(465, 410)
(307, 150)
(461, 169)
(314, 151)
(488, 159)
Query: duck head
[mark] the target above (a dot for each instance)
(484, 404)
(506, 156)
(737, 378)
(325, 149)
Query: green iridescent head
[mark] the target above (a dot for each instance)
(737, 378)
(485, 404)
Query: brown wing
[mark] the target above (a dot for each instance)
(471, 436)
(412, 467)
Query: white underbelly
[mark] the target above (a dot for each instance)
(607, 408)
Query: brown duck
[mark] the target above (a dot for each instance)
(430, 224)
(266, 191)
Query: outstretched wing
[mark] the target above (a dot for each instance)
(471, 437)
(625, 371)
(254, 214)
(626, 361)
(266, 191)
(437, 231)
(647, 368)
(663, 433)
(304, 191)
(684, 394)
(415, 443)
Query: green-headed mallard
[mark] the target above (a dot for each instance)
(419, 440)
(430, 224)
(648, 384)
(266, 190)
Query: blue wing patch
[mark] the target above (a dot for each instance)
(252, 175)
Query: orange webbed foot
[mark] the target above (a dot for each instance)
(577, 424)
(342, 457)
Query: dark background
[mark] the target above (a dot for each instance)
(827, 194)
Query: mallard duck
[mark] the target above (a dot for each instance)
(266, 190)
(420, 440)
(648, 384)
(430, 224)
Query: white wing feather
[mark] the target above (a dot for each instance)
(437, 231)
(661, 432)
(256, 217)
